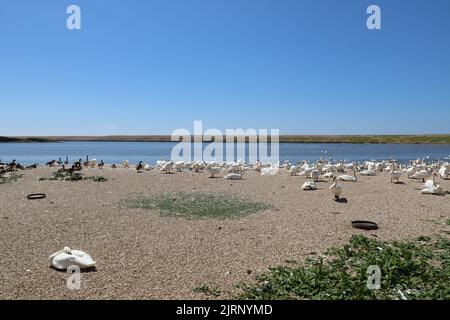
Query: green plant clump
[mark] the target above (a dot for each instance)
(10, 178)
(197, 205)
(418, 269)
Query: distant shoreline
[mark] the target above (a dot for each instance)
(326, 139)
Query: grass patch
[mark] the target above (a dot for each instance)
(75, 176)
(96, 178)
(10, 178)
(197, 205)
(412, 270)
(205, 289)
(442, 222)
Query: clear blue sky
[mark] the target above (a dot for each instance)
(151, 66)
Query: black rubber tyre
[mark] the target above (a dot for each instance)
(366, 225)
(36, 196)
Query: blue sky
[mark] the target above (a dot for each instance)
(151, 66)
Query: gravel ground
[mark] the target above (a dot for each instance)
(141, 255)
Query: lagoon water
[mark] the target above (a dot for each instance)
(150, 152)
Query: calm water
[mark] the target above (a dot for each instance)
(115, 152)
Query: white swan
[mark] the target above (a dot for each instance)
(309, 185)
(234, 168)
(340, 167)
(431, 187)
(178, 166)
(368, 172)
(270, 171)
(233, 176)
(411, 171)
(444, 171)
(257, 166)
(213, 170)
(394, 174)
(167, 167)
(315, 174)
(336, 189)
(65, 258)
(293, 170)
(348, 178)
(306, 172)
(330, 175)
(197, 166)
(423, 174)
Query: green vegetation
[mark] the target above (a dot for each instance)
(25, 139)
(96, 178)
(75, 176)
(417, 269)
(208, 291)
(402, 139)
(10, 178)
(197, 205)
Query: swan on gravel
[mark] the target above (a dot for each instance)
(67, 257)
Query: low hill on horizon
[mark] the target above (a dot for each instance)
(400, 139)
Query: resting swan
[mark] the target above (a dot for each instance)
(348, 178)
(432, 188)
(330, 175)
(233, 176)
(309, 185)
(67, 257)
(270, 171)
(424, 174)
(368, 172)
